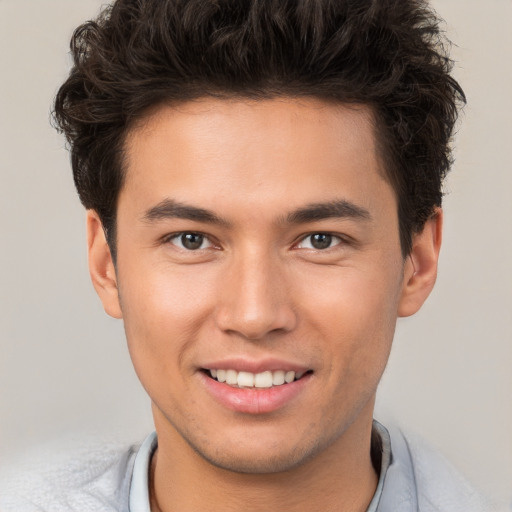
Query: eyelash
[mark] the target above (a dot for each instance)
(181, 234)
(330, 237)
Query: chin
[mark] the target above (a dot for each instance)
(257, 464)
(263, 459)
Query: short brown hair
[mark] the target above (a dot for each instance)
(388, 54)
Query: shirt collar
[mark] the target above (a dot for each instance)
(139, 486)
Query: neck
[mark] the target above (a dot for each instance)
(340, 477)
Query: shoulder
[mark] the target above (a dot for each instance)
(80, 476)
(421, 477)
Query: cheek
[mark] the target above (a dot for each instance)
(361, 331)
(163, 309)
(162, 294)
(356, 309)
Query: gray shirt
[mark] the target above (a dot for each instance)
(413, 478)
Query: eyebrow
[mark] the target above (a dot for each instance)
(170, 209)
(333, 209)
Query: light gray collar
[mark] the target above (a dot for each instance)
(139, 486)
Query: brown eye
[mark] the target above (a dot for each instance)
(319, 241)
(190, 241)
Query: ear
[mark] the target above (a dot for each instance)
(101, 266)
(420, 268)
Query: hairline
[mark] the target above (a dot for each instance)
(384, 158)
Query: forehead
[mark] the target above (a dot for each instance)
(245, 121)
(276, 148)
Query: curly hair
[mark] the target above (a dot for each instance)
(388, 54)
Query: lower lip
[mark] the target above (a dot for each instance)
(255, 400)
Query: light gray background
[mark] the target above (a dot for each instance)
(63, 363)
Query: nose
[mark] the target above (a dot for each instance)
(254, 300)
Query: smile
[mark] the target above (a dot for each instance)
(266, 379)
(271, 385)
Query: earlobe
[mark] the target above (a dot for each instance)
(420, 268)
(101, 266)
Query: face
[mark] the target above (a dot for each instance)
(257, 244)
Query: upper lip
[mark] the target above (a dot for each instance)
(255, 366)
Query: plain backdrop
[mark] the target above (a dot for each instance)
(64, 367)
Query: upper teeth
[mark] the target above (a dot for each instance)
(257, 380)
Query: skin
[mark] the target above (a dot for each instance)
(257, 289)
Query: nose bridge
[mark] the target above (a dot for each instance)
(255, 301)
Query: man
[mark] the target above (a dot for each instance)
(263, 190)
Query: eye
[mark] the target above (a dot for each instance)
(190, 241)
(319, 241)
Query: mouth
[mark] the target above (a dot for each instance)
(271, 386)
(247, 380)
